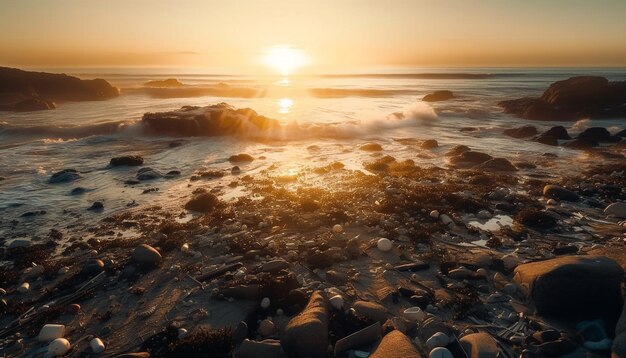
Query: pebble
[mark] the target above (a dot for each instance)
(266, 328)
(510, 288)
(440, 352)
(446, 220)
(384, 244)
(58, 347)
(337, 302)
(438, 339)
(414, 314)
(50, 332)
(3, 291)
(182, 333)
(97, 346)
(552, 202)
(484, 214)
(461, 273)
(434, 214)
(482, 272)
(25, 287)
(510, 261)
(146, 255)
(265, 303)
(338, 229)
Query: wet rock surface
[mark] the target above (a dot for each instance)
(437, 96)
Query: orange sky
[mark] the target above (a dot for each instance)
(333, 33)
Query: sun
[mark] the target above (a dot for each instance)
(284, 59)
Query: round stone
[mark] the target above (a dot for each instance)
(440, 352)
(338, 229)
(265, 303)
(97, 346)
(266, 328)
(438, 339)
(58, 347)
(146, 255)
(384, 244)
(337, 302)
(434, 214)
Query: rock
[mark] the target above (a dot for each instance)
(216, 120)
(58, 347)
(559, 193)
(557, 132)
(383, 244)
(438, 96)
(371, 147)
(307, 333)
(203, 203)
(170, 82)
(617, 210)
(269, 348)
(24, 287)
(24, 90)
(573, 99)
(146, 255)
(461, 273)
(468, 159)
(497, 165)
(446, 220)
(265, 303)
(480, 345)
(521, 132)
(547, 140)
(414, 314)
(337, 229)
(457, 150)
(359, 338)
(370, 310)
(73, 308)
(29, 105)
(434, 214)
(336, 278)
(64, 176)
(50, 332)
(92, 267)
(582, 144)
(572, 285)
(429, 144)
(148, 173)
(438, 339)
(598, 134)
(97, 346)
(440, 352)
(96, 206)
(395, 345)
(240, 333)
(484, 215)
(127, 160)
(182, 333)
(274, 265)
(510, 261)
(240, 158)
(20, 243)
(337, 302)
(266, 328)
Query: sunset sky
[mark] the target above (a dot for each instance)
(333, 33)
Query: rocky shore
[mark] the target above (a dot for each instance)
(483, 257)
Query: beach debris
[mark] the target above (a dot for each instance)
(414, 314)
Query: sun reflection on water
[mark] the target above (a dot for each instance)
(284, 105)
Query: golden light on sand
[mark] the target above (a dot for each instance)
(284, 59)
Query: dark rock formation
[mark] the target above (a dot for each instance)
(64, 176)
(573, 286)
(215, 120)
(203, 203)
(438, 96)
(469, 159)
(170, 82)
(598, 134)
(521, 132)
(28, 91)
(558, 132)
(429, 144)
(559, 193)
(128, 160)
(573, 99)
(497, 165)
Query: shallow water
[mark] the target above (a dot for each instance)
(86, 135)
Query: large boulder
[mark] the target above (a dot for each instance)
(480, 345)
(468, 159)
(306, 335)
(203, 203)
(521, 132)
(598, 134)
(497, 165)
(25, 91)
(216, 120)
(127, 160)
(558, 132)
(395, 345)
(64, 176)
(573, 286)
(438, 96)
(559, 193)
(170, 82)
(573, 99)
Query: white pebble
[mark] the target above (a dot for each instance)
(58, 347)
(50, 332)
(265, 303)
(182, 333)
(434, 214)
(23, 287)
(384, 244)
(337, 302)
(438, 339)
(97, 346)
(337, 229)
(440, 352)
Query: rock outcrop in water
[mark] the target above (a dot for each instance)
(438, 96)
(31, 91)
(215, 120)
(170, 82)
(573, 99)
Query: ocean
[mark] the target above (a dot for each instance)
(335, 114)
